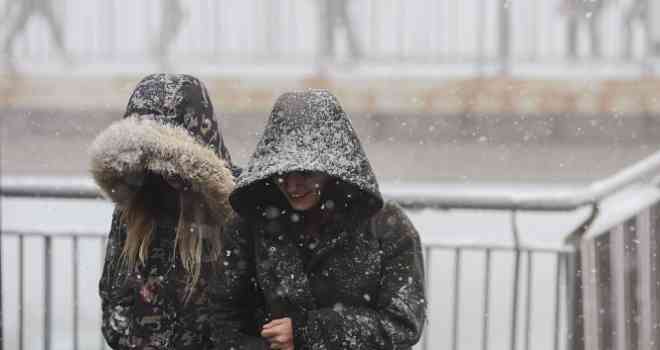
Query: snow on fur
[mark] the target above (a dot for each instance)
(123, 153)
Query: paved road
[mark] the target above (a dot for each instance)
(38, 143)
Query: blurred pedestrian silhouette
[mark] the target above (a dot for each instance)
(18, 14)
(637, 12)
(583, 12)
(171, 19)
(334, 13)
(644, 12)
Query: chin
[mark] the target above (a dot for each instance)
(303, 205)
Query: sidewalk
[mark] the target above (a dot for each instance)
(370, 88)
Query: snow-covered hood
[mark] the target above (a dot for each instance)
(308, 131)
(169, 128)
(179, 100)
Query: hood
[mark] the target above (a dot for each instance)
(179, 100)
(308, 131)
(169, 128)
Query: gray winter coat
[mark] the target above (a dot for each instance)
(362, 285)
(170, 129)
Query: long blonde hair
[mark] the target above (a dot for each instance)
(197, 241)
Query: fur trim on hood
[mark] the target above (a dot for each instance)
(130, 148)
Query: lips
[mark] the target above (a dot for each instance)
(299, 195)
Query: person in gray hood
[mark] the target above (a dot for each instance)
(337, 266)
(176, 272)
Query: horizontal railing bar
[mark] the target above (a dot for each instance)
(55, 234)
(409, 197)
(537, 248)
(49, 190)
(516, 199)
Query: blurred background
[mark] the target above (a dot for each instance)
(457, 90)
(485, 95)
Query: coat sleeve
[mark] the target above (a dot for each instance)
(117, 299)
(233, 298)
(398, 314)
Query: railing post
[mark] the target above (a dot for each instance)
(528, 301)
(504, 31)
(654, 241)
(574, 286)
(21, 298)
(103, 246)
(560, 261)
(457, 299)
(630, 269)
(595, 267)
(647, 279)
(76, 304)
(427, 285)
(516, 276)
(485, 321)
(574, 300)
(47, 290)
(2, 339)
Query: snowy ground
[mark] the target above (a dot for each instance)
(436, 227)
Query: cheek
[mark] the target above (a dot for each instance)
(314, 199)
(305, 203)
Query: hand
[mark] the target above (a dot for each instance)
(279, 333)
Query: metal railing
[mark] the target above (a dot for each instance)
(48, 238)
(482, 328)
(44, 247)
(408, 197)
(488, 35)
(586, 260)
(620, 279)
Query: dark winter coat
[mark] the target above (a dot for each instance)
(169, 129)
(362, 285)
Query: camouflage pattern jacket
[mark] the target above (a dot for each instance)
(145, 308)
(170, 130)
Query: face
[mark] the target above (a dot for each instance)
(177, 183)
(302, 190)
(171, 189)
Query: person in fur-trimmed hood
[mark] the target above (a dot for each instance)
(337, 266)
(176, 272)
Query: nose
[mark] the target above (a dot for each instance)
(293, 182)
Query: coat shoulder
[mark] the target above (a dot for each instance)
(392, 224)
(237, 234)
